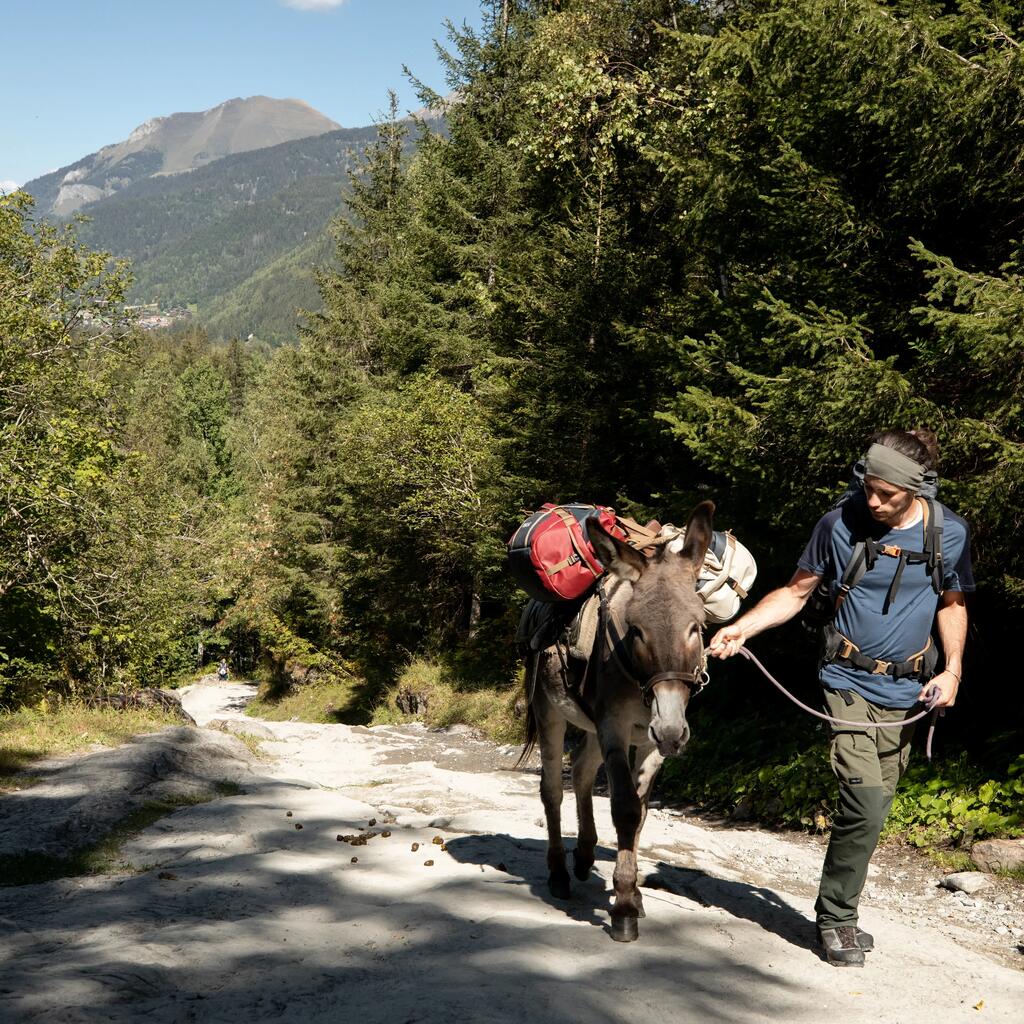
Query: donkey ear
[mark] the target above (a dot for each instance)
(615, 555)
(698, 534)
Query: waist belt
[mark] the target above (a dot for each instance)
(849, 653)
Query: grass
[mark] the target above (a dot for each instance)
(104, 857)
(951, 860)
(320, 703)
(64, 728)
(255, 745)
(434, 689)
(444, 703)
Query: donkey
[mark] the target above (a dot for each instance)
(648, 661)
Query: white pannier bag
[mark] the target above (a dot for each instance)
(726, 577)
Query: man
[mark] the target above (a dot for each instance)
(878, 653)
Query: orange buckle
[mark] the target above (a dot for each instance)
(881, 668)
(891, 550)
(847, 649)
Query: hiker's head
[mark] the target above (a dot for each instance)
(894, 469)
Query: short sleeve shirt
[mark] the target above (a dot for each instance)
(902, 630)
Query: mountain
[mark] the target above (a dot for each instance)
(174, 145)
(237, 238)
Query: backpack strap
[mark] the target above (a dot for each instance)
(933, 543)
(854, 571)
(866, 552)
(842, 649)
(572, 526)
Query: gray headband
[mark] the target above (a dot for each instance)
(894, 468)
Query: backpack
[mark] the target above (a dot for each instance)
(551, 558)
(820, 610)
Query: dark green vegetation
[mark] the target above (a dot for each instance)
(662, 254)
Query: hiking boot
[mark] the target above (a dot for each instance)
(840, 946)
(865, 941)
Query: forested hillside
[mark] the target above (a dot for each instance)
(664, 252)
(219, 236)
(194, 238)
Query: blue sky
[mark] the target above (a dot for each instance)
(79, 74)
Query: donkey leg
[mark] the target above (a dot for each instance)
(626, 818)
(551, 737)
(647, 762)
(586, 759)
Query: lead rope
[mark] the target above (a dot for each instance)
(930, 708)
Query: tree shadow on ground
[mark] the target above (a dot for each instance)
(289, 928)
(525, 859)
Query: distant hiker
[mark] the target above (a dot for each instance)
(222, 670)
(892, 561)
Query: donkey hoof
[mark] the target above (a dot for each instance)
(639, 904)
(581, 866)
(558, 885)
(625, 929)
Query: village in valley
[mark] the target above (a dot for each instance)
(152, 318)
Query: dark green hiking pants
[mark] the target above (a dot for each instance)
(868, 763)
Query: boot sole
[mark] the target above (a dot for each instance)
(844, 963)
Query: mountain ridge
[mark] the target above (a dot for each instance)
(237, 239)
(175, 144)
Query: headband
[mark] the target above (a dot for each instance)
(894, 468)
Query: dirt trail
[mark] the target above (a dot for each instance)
(236, 913)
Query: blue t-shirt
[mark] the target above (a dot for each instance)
(903, 630)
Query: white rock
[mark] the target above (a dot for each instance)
(967, 881)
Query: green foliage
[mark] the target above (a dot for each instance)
(955, 803)
(951, 803)
(116, 469)
(267, 304)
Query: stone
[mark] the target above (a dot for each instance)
(80, 799)
(999, 854)
(966, 882)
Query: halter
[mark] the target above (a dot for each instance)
(695, 680)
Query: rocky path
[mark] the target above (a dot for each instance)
(393, 874)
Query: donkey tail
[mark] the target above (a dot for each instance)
(530, 681)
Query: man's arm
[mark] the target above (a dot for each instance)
(952, 622)
(772, 610)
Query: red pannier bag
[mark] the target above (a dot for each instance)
(550, 556)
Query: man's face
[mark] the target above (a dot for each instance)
(886, 502)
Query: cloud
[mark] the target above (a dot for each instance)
(313, 5)
(8, 186)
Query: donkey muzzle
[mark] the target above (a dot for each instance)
(669, 729)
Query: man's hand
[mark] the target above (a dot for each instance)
(727, 641)
(947, 683)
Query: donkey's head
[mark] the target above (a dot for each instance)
(659, 622)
